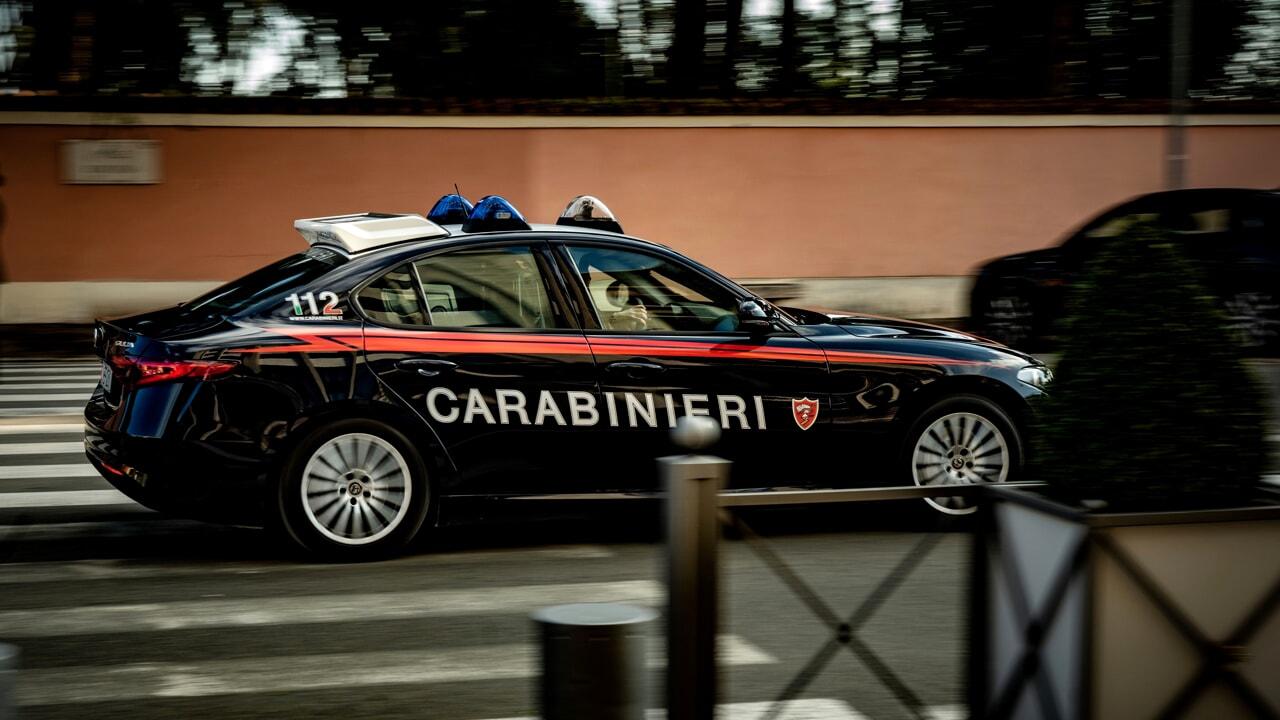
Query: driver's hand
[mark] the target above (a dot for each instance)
(632, 317)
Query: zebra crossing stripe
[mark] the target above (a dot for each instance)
(25, 573)
(59, 369)
(41, 428)
(41, 448)
(307, 610)
(26, 472)
(45, 397)
(62, 498)
(135, 681)
(87, 385)
(22, 412)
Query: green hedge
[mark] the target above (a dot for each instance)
(1152, 406)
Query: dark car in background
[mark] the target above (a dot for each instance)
(1232, 233)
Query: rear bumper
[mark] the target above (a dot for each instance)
(179, 477)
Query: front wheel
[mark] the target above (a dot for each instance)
(354, 490)
(962, 440)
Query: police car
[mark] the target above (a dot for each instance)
(358, 392)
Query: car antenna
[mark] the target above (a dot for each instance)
(456, 191)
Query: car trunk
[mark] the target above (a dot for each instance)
(123, 343)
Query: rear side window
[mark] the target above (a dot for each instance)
(499, 287)
(393, 299)
(486, 288)
(269, 282)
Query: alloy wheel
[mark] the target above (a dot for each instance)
(959, 448)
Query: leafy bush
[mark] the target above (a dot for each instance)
(1152, 406)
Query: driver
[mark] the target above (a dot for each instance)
(633, 315)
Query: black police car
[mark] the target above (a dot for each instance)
(1233, 234)
(403, 365)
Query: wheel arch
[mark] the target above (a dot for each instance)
(1005, 397)
(434, 455)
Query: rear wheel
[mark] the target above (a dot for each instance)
(354, 490)
(962, 440)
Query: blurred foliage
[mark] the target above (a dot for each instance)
(1152, 406)
(1087, 50)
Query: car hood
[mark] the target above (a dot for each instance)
(914, 337)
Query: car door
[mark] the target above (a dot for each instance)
(665, 336)
(478, 343)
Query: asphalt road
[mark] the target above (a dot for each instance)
(121, 613)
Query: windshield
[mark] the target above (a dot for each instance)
(267, 282)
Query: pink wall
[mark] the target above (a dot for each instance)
(753, 202)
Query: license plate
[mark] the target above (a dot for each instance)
(105, 379)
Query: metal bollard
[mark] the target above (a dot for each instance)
(9, 655)
(593, 661)
(693, 483)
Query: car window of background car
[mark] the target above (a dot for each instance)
(1206, 221)
(262, 284)
(392, 299)
(498, 287)
(1116, 225)
(678, 298)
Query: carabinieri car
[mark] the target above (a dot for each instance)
(352, 394)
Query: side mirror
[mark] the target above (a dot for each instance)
(753, 318)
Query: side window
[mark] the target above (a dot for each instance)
(1118, 224)
(635, 291)
(392, 299)
(1197, 221)
(499, 287)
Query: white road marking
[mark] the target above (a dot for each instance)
(947, 712)
(62, 498)
(311, 609)
(808, 709)
(35, 428)
(57, 686)
(53, 368)
(87, 386)
(11, 472)
(81, 377)
(41, 448)
(50, 397)
(114, 569)
(35, 411)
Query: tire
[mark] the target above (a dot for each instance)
(353, 490)
(961, 439)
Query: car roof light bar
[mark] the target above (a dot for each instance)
(451, 209)
(493, 212)
(588, 211)
(366, 231)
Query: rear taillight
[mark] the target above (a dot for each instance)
(148, 372)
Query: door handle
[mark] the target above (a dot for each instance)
(636, 369)
(426, 367)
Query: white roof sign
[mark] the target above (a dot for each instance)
(366, 231)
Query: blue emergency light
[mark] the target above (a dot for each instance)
(450, 209)
(494, 213)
